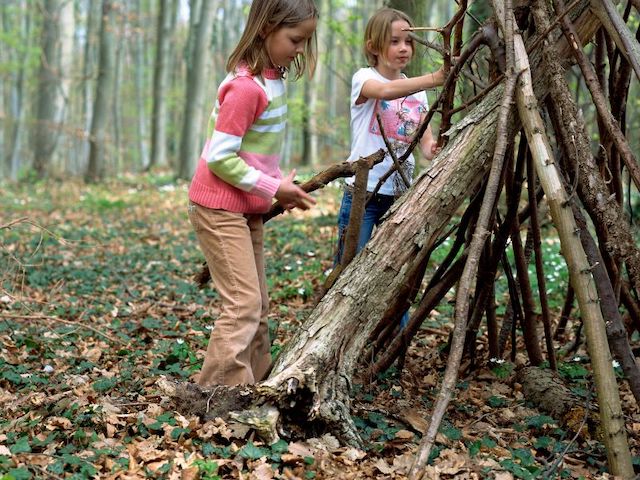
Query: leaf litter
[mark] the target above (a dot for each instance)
(97, 302)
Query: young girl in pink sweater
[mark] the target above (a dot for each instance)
(238, 177)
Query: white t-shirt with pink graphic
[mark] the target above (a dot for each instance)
(400, 119)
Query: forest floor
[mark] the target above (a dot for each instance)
(97, 302)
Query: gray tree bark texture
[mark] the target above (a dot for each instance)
(199, 36)
(104, 93)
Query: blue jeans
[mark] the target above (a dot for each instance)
(373, 213)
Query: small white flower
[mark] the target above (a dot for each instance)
(311, 254)
(301, 291)
(499, 361)
(209, 327)
(328, 272)
(287, 268)
(298, 262)
(47, 369)
(615, 364)
(576, 359)
(180, 341)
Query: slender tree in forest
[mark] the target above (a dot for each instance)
(117, 88)
(164, 38)
(92, 9)
(15, 122)
(98, 137)
(197, 61)
(53, 81)
(139, 81)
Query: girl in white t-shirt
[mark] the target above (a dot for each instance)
(400, 101)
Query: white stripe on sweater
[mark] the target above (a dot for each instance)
(273, 113)
(222, 145)
(278, 127)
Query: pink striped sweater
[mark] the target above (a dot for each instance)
(238, 169)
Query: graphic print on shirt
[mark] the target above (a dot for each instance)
(400, 118)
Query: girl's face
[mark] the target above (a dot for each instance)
(400, 48)
(285, 43)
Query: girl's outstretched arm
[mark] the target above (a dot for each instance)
(401, 87)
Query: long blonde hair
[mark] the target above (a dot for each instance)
(265, 17)
(377, 34)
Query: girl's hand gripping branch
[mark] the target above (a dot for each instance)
(291, 195)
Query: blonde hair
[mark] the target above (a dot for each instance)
(266, 17)
(377, 34)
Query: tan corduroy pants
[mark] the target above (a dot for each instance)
(239, 347)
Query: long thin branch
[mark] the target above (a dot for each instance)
(617, 28)
(456, 23)
(542, 288)
(392, 153)
(471, 265)
(321, 180)
(598, 97)
(612, 419)
(17, 316)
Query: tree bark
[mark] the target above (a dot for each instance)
(615, 438)
(199, 36)
(593, 192)
(160, 80)
(606, 12)
(546, 391)
(104, 93)
(52, 90)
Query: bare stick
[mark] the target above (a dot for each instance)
(613, 128)
(321, 180)
(537, 241)
(17, 316)
(471, 265)
(392, 153)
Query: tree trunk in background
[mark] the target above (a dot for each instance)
(164, 33)
(15, 124)
(330, 140)
(140, 69)
(197, 60)
(117, 88)
(417, 10)
(93, 8)
(305, 155)
(52, 91)
(104, 93)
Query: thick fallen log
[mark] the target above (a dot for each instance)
(547, 392)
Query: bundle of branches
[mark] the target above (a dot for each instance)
(489, 152)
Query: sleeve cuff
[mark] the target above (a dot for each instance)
(267, 186)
